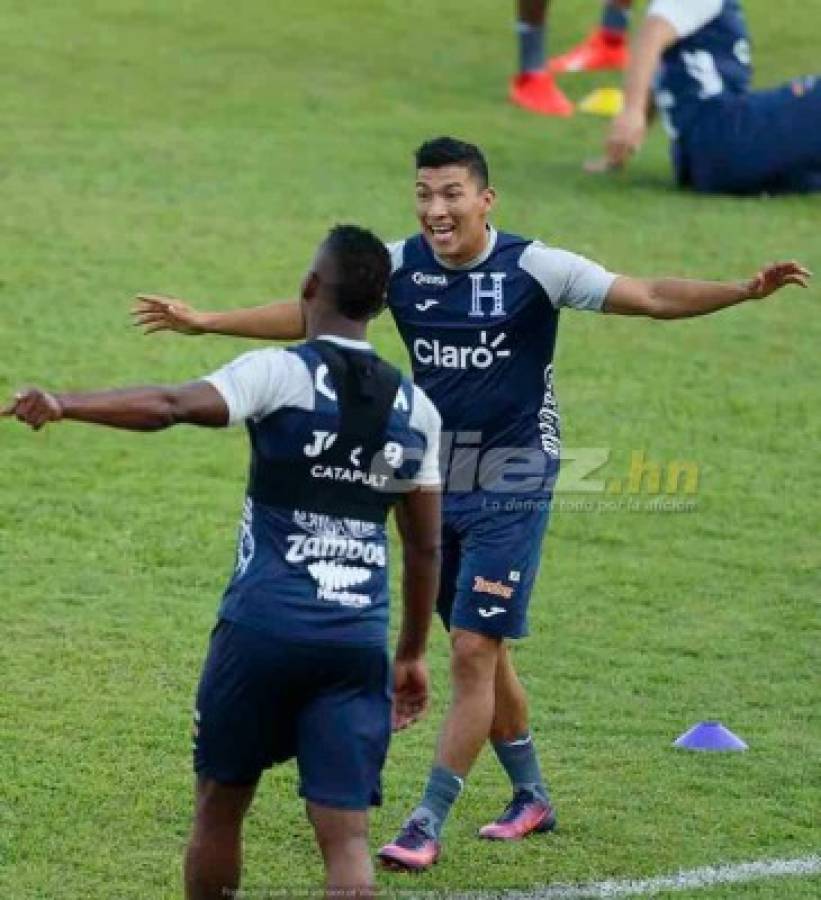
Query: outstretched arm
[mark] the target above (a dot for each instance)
(280, 321)
(134, 409)
(679, 298)
(629, 128)
(418, 517)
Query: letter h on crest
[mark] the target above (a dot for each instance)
(479, 294)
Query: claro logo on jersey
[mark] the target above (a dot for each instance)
(437, 353)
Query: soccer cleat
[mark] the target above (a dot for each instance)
(525, 814)
(414, 850)
(600, 50)
(538, 92)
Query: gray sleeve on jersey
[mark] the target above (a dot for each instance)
(567, 278)
(686, 16)
(257, 383)
(425, 418)
(397, 252)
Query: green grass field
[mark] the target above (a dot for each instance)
(202, 149)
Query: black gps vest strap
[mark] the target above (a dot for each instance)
(365, 388)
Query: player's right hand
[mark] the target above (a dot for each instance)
(34, 407)
(410, 692)
(153, 312)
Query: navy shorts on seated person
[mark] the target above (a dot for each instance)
(262, 700)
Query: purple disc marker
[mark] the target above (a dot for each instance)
(709, 735)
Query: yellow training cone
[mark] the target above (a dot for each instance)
(603, 102)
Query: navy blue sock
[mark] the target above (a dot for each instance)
(442, 789)
(532, 42)
(519, 760)
(614, 17)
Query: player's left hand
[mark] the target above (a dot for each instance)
(776, 276)
(410, 692)
(35, 408)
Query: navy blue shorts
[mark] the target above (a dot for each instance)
(490, 558)
(262, 701)
(762, 141)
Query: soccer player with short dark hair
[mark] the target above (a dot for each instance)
(693, 58)
(297, 664)
(478, 310)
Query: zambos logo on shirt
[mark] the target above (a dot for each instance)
(331, 547)
(324, 537)
(303, 547)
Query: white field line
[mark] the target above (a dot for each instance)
(688, 880)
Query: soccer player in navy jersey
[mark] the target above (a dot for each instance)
(478, 311)
(297, 665)
(693, 58)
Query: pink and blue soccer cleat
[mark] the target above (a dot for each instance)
(414, 850)
(525, 814)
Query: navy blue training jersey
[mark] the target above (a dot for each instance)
(316, 572)
(481, 339)
(710, 60)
